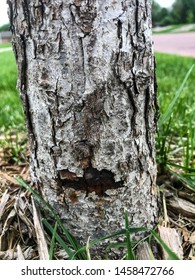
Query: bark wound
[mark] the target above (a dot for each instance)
(93, 180)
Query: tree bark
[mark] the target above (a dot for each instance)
(86, 76)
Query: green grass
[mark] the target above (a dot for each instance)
(5, 45)
(171, 71)
(10, 106)
(175, 77)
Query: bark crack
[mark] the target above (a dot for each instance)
(53, 112)
(137, 17)
(156, 113)
(83, 60)
(23, 66)
(135, 110)
(146, 117)
(60, 42)
(119, 33)
(31, 131)
(130, 92)
(25, 5)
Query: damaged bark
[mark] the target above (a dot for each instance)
(86, 77)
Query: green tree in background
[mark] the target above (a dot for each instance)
(160, 16)
(5, 27)
(156, 9)
(182, 11)
(190, 17)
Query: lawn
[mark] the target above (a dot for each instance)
(10, 106)
(178, 129)
(171, 70)
(5, 45)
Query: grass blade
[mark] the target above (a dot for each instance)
(169, 111)
(51, 250)
(58, 238)
(87, 250)
(188, 182)
(130, 254)
(189, 169)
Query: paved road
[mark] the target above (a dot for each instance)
(180, 44)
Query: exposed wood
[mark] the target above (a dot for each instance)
(41, 241)
(173, 240)
(184, 207)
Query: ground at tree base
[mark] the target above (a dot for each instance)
(19, 238)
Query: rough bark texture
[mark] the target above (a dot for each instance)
(86, 78)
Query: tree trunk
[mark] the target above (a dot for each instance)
(87, 82)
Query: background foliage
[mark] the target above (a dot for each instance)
(182, 11)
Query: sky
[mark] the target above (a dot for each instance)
(165, 3)
(3, 12)
(4, 17)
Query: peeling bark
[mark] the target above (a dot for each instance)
(86, 76)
